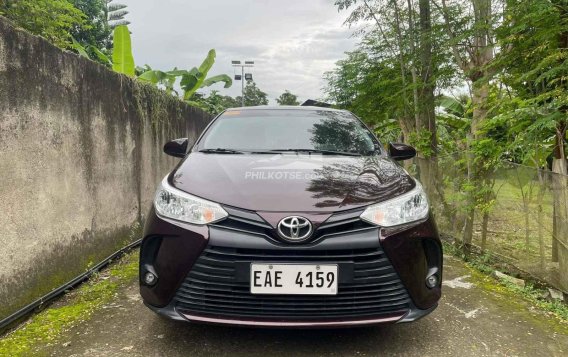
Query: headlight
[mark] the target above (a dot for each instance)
(409, 207)
(173, 203)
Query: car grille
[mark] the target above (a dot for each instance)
(218, 285)
(250, 222)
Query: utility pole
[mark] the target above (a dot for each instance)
(243, 76)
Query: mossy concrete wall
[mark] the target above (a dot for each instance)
(80, 158)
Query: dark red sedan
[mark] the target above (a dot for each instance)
(290, 217)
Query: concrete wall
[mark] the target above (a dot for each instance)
(80, 158)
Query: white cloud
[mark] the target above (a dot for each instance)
(293, 42)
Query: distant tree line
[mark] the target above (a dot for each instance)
(254, 96)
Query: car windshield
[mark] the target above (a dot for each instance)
(322, 131)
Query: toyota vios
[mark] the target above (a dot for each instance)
(290, 217)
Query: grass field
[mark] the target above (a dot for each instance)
(513, 221)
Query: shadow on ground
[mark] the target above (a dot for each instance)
(357, 341)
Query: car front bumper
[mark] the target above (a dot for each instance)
(172, 313)
(203, 275)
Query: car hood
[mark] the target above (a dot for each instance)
(290, 182)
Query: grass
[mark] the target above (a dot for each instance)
(507, 231)
(78, 306)
(482, 267)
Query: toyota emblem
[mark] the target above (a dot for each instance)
(294, 228)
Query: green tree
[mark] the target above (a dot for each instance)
(287, 98)
(417, 46)
(253, 95)
(54, 20)
(96, 33)
(470, 26)
(534, 66)
(214, 103)
(226, 101)
(370, 89)
(395, 70)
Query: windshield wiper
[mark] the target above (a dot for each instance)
(316, 151)
(221, 151)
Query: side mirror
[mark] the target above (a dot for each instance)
(177, 147)
(399, 151)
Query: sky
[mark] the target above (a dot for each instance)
(293, 42)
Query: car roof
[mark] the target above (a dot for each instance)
(287, 107)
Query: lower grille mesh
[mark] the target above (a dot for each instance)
(212, 286)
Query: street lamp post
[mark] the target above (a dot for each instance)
(242, 77)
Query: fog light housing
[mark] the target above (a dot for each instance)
(150, 278)
(432, 281)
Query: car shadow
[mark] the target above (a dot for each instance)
(258, 341)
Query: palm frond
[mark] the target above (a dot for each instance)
(118, 15)
(116, 7)
(115, 24)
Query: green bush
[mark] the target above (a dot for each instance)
(52, 19)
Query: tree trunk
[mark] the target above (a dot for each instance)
(539, 218)
(527, 226)
(470, 200)
(426, 106)
(479, 102)
(405, 123)
(413, 70)
(401, 60)
(560, 187)
(427, 115)
(470, 213)
(468, 229)
(560, 201)
(554, 235)
(484, 224)
(479, 54)
(405, 127)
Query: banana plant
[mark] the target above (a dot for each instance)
(122, 59)
(83, 51)
(456, 113)
(156, 77)
(101, 56)
(123, 62)
(190, 81)
(190, 86)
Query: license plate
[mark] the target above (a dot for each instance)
(293, 279)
